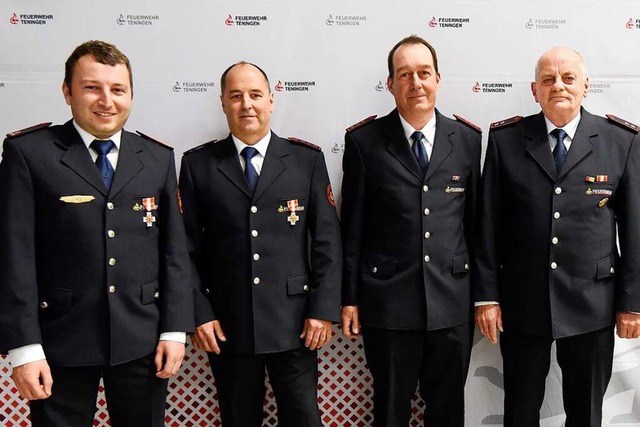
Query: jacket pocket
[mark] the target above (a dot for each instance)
(149, 292)
(54, 303)
(460, 263)
(380, 265)
(298, 284)
(606, 267)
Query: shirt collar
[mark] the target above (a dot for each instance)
(261, 145)
(429, 129)
(87, 138)
(570, 128)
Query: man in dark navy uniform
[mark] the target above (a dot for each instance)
(265, 245)
(93, 262)
(408, 219)
(556, 186)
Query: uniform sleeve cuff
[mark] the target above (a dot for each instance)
(481, 303)
(26, 354)
(174, 336)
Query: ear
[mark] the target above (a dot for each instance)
(390, 84)
(222, 104)
(67, 93)
(534, 91)
(438, 78)
(586, 86)
(272, 101)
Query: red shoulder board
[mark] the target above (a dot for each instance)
(506, 122)
(148, 138)
(305, 143)
(361, 123)
(27, 130)
(622, 122)
(468, 123)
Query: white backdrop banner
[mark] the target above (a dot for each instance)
(327, 65)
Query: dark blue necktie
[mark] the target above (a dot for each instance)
(249, 171)
(560, 150)
(419, 151)
(102, 162)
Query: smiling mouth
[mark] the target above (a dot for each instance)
(102, 114)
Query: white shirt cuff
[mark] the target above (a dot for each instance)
(174, 336)
(26, 354)
(481, 303)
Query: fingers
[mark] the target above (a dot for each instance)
(628, 325)
(205, 337)
(170, 355)
(350, 321)
(316, 333)
(33, 380)
(489, 321)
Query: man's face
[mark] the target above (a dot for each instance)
(99, 96)
(560, 85)
(415, 82)
(247, 103)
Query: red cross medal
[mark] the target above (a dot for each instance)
(293, 207)
(149, 204)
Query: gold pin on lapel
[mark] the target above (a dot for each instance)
(77, 198)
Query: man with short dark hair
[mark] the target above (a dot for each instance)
(408, 219)
(93, 262)
(265, 246)
(556, 186)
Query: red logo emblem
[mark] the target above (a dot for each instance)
(629, 24)
(476, 87)
(433, 22)
(330, 197)
(14, 19)
(229, 21)
(279, 86)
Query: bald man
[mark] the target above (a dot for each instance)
(556, 185)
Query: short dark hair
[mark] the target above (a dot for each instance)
(223, 79)
(412, 39)
(102, 52)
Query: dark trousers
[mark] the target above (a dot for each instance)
(135, 397)
(436, 360)
(241, 389)
(585, 361)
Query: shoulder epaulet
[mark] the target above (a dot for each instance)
(505, 122)
(361, 123)
(622, 122)
(27, 130)
(468, 123)
(197, 147)
(148, 138)
(305, 143)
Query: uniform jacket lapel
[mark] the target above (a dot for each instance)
(230, 167)
(129, 163)
(538, 145)
(442, 145)
(398, 145)
(273, 166)
(582, 144)
(77, 157)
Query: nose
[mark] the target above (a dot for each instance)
(246, 101)
(105, 98)
(558, 84)
(415, 81)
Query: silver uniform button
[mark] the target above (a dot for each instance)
(256, 280)
(112, 289)
(427, 211)
(554, 240)
(427, 235)
(612, 270)
(111, 234)
(305, 288)
(425, 188)
(112, 262)
(156, 295)
(44, 305)
(466, 267)
(254, 209)
(256, 257)
(207, 291)
(556, 215)
(558, 190)
(110, 206)
(426, 258)
(374, 269)
(554, 265)
(254, 233)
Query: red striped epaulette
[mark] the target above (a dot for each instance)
(29, 129)
(148, 138)
(622, 122)
(197, 147)
(505, 122)
(361, 123)
(468, 123)
(305, 143)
